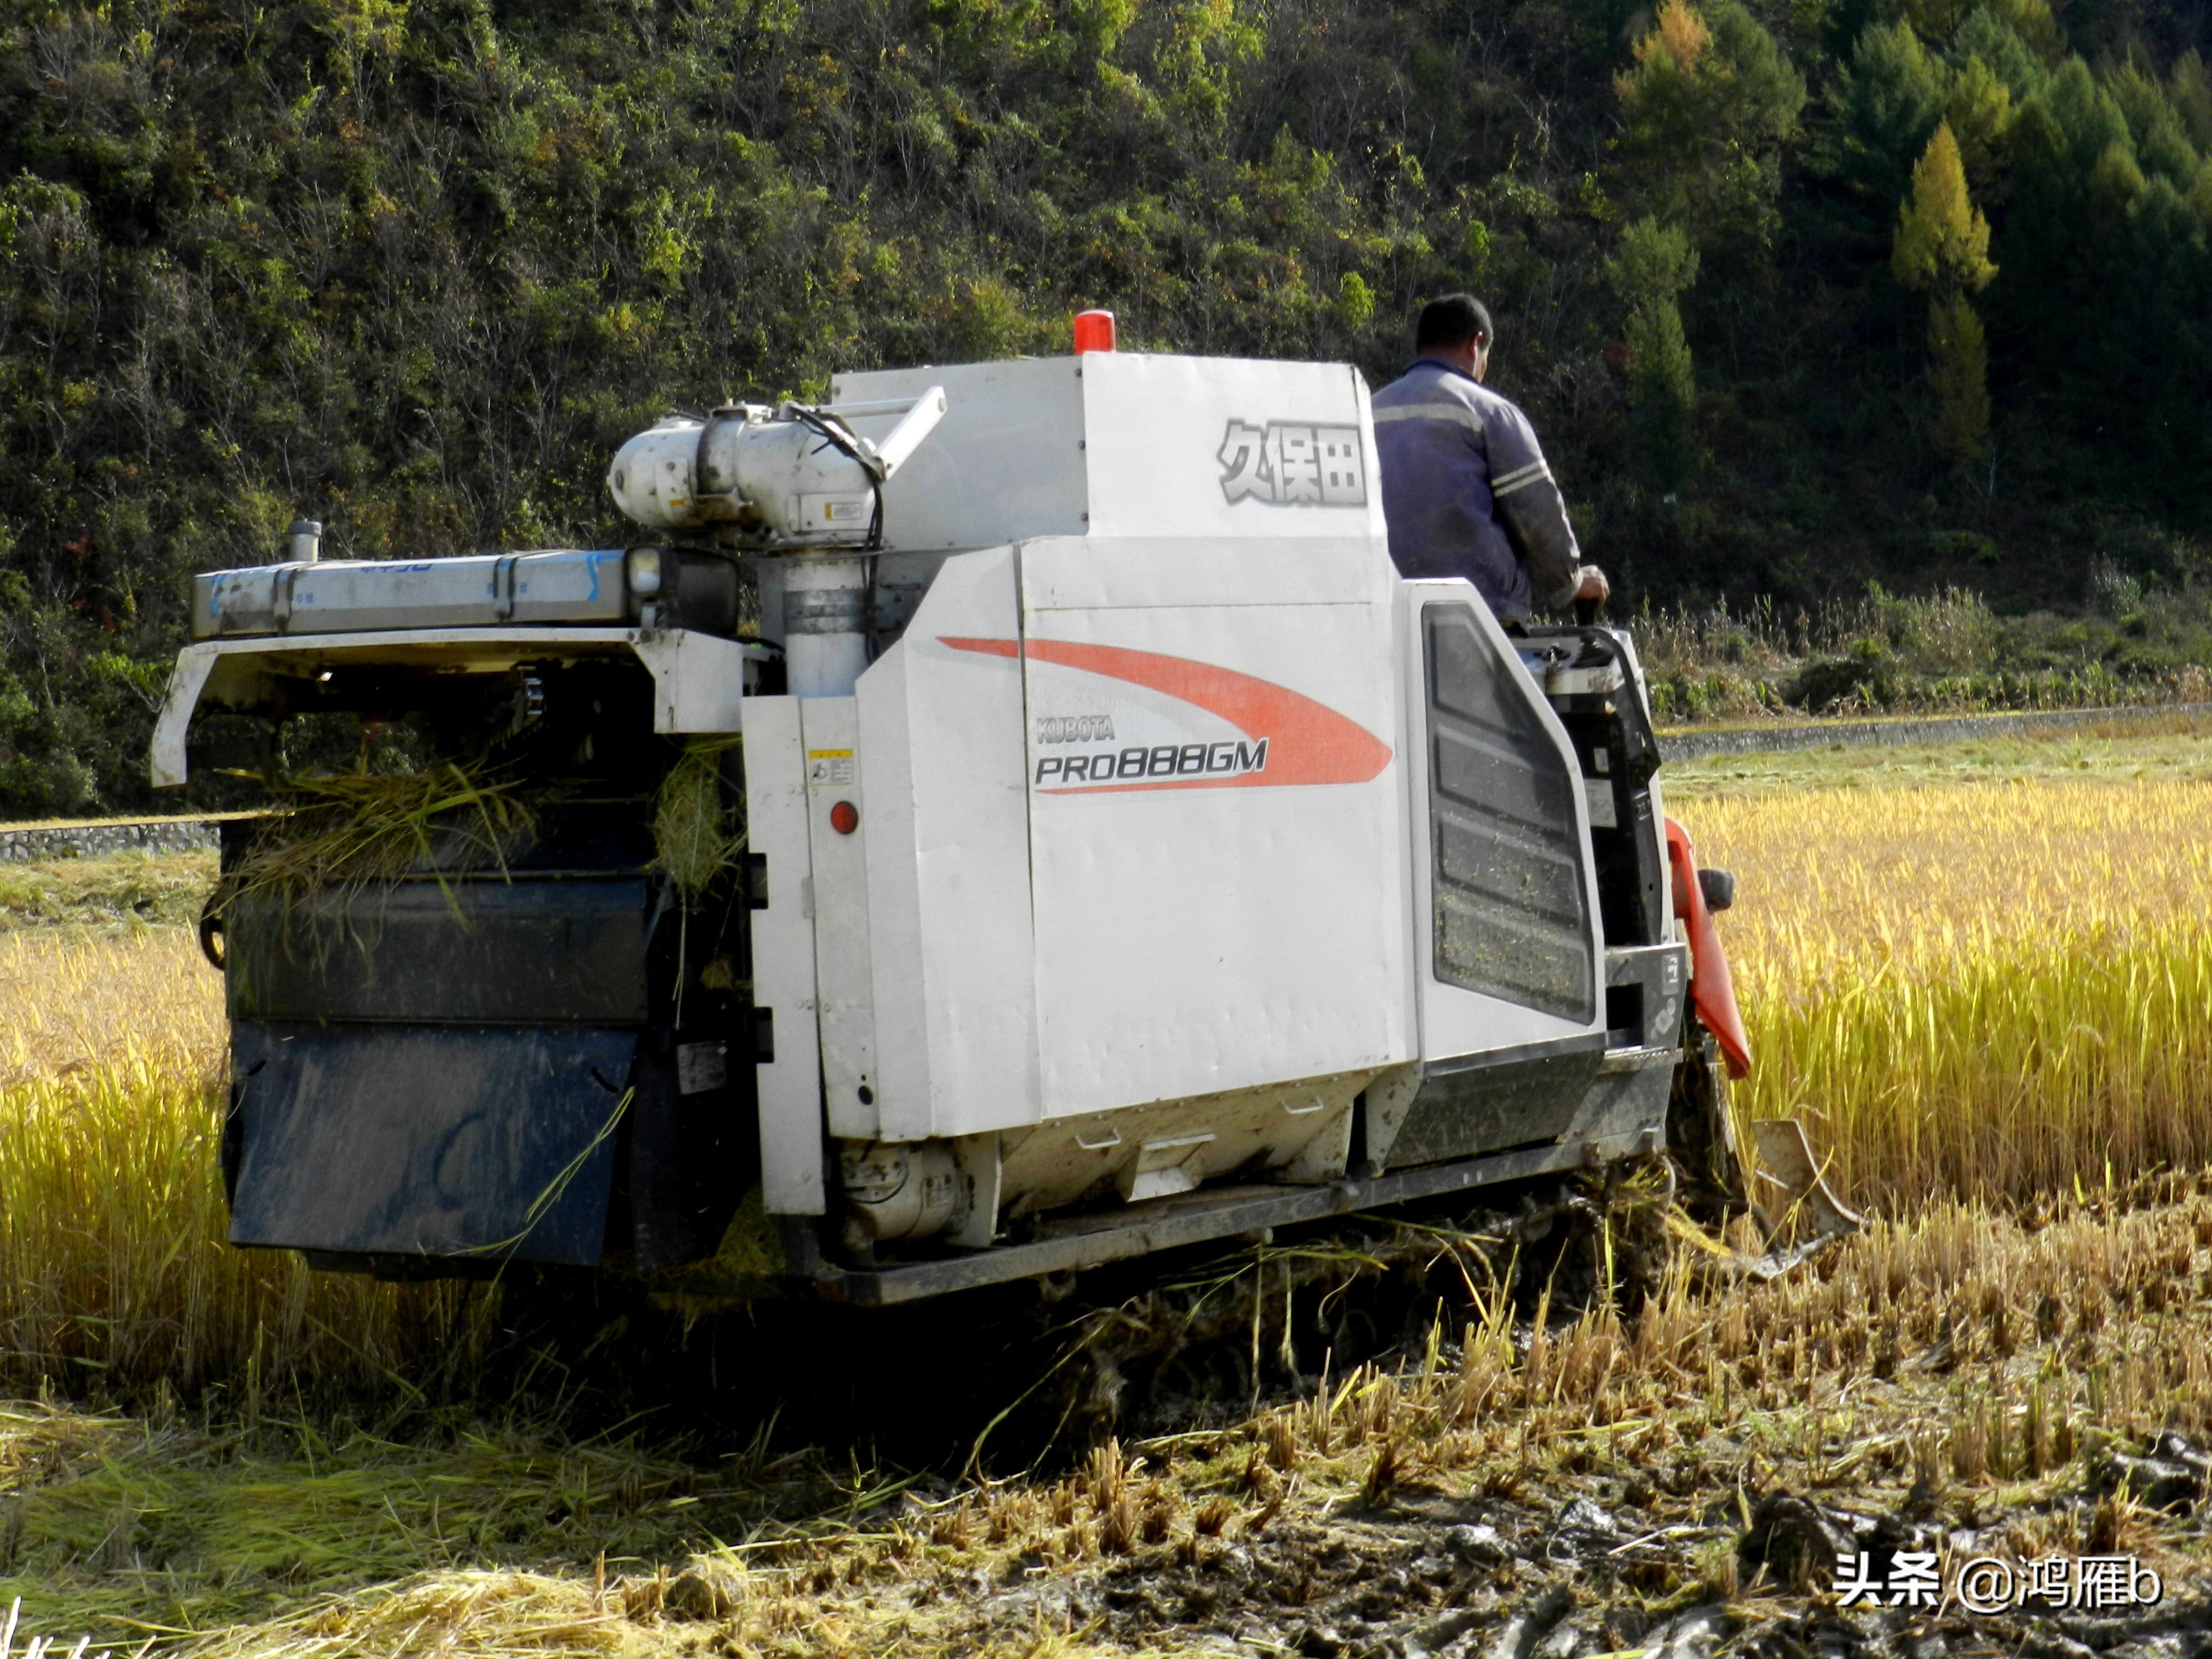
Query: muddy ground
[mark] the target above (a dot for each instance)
(1526, 1467)
(1682, 1480)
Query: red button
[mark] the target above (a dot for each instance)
(844, 818)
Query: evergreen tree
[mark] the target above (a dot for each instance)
(1652, 266)
(1709, 104)
(1958, 378)
(1662, 391)
(2190, 88)
(1942, 249)
(1978, 111)
(1883, 106)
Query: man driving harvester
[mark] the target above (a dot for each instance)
(1465, 491)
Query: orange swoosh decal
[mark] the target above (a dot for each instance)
(1311, 743)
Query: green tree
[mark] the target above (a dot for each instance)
(2001, 46)
(2159, 135)
(1883, 106)
(1978, 111)
(1709, 103)
(2190, 88)
(1649, 270)
(1942, 249)
(1958, 380)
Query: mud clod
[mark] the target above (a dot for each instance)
(1582, 1527)
(1479, 1544)
(1529, 1627)
(2174, 1475)
(1795, 1540)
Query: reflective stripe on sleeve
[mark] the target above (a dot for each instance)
(1519, 478)
(1458, 414)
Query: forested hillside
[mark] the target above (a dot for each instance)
(1801, 292)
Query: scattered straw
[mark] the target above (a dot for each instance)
(692, 829)
(358, 829)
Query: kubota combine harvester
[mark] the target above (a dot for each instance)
(1131, 857)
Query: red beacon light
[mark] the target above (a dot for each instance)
(1094, 332)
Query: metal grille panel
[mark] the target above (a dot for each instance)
(1512, 899)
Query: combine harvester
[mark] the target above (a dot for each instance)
(1133, 859)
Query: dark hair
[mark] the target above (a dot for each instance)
(1453, 320)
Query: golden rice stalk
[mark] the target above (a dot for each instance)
(112, 1257)
(494, 1615)
(1985, 992)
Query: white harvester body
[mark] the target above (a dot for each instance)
(1138, 857)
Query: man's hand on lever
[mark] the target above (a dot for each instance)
(1591, 591)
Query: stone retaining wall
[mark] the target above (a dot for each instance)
(1775, 739)
(92, 841)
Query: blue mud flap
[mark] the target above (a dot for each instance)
(495, 1143)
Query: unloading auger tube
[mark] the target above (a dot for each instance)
(1009, 817)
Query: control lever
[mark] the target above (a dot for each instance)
(1586, 609)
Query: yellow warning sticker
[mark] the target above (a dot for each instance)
(828, 767)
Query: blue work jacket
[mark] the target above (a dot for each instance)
(1465, 491)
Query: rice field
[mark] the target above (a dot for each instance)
(112, 1266)
(1988, 998)
(1995, 990)
(1992, 992)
